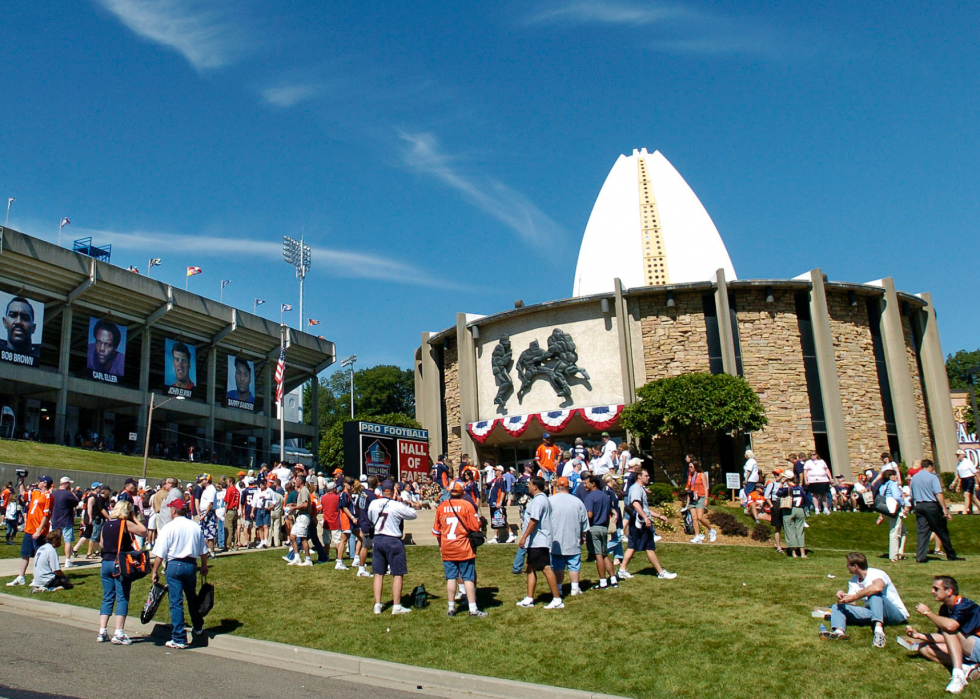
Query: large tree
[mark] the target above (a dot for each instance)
(332, 441)
(378, 390)
(957, 366)
(695, 409)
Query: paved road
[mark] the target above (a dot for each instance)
(40, 659)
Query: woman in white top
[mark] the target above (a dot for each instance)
(817, 477)
(966, 482)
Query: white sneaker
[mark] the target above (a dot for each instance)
(511, 539)
(364, 574)
(556, 603)
(288, 559)
(697, 540)
(656, 538)
(957, 682)
(806, 526)
(68, 564)
(19, 580)
(712, 535)
(340, 566)
(398, 609)
(908, 643)
(576, 592)
(377, 609)
(307, 563)
(526, 602)
(459, 595)
(121, 640)
(492, 541)
(666, 575)
(624, 574)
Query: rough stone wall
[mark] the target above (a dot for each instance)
(918, 393)
(675, 340)
(857, 375)
(772, 363)
(450, 368)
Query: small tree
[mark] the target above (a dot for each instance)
(696, 409)
(332, 442)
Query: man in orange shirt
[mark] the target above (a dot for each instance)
(546, 458)
(36, 524)
(455, 519)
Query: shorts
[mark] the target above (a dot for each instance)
(29, 546)
(968, 485)
(96, 531)
(460, 569)
(336, 536)
(599, 535)
(151, 523)
(818, 489)
(974, 657)
(547, 475)
(263, 518)
(561, 562)
(700, 503)
(538, 559)
(777, 517)
(367, 541)
(389, 552)
(301, 527)
(68, 534)
(209, 526)
(641, 539)
(86, 532)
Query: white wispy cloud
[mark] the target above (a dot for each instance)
(675, 27)
(423, 154)
(202, 32)
(289, 95)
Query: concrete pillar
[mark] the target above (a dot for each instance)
(899, 376)
(937, 390)
(625, 343)
(431, 415)
(64, 355)
(315, 417)
(468, 399)
(212, 379)
(833, 409)
(270, 413)
(725, 333)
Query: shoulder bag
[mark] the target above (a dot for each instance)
(130, 565)
(477, 538)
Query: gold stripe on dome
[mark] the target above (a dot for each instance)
(655, 270)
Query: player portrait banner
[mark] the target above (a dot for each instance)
(20, 337)
(480, 431)
(241, 383)
(179, 368)
(602, 416)
(106, 356)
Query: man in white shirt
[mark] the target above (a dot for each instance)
(209, 517)
(622, 459)
(966, 481)
(262, 504)
(602, 463)
(387, 516)
(179, 544)
(750, 472)
(817, 477)
(882, 604)
(283, 474)
(609, 447)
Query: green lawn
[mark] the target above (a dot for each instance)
(41, 455)
(735, 623)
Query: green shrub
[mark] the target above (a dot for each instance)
(719, 490)
(947, 479)
(762, 532)
(660, 493)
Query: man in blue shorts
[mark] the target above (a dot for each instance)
(641, 536)
(389, 556)
(455, 519)
(569, 520)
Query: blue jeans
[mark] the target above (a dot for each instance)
(519, 560)
(221, 532)
(182, 580)
(114, 591)
(876, 608)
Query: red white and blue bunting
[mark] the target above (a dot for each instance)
(602, 416)
(515, 425)
(481, 430)
(556, 420)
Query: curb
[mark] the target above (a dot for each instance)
(317, 662)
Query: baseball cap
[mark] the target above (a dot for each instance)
(363, 478)
(46, 479)
(388, 484)
(241, 473)
(960, 452)
(95, 484)
(562, 482)
(251, 472)
(249, 480)
(498, 468)
(331, 485)
(457, 487)
(634, 462)
(605, 434)
(177, 504)
(66, 479)
(546, 435)
(131, 481)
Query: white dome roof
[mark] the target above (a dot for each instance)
(648, 228)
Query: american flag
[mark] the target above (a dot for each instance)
(313, 322)
(280, 374)
(64, 222)
(191, 271)
(155, 262)
(285, 307)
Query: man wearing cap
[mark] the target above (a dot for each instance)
(332, 534)
(536, 540)
(208, 516)
(180, 544)
(965, 481)
(546, 458)
(37, 521)
(442, 474)
(128, 491)
(387, 516)
(609, 447)
(598, 507)
(454, 521)
(569, 521)
(233, 499)
(63, 504)
(262, 503)
(640, 536)
(602, 463)
(497, 500)
(362, 504)
(282, 472)
(299, 535)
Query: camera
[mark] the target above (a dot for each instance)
(21, 473)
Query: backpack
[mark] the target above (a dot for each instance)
(420, 598)
(688, 522)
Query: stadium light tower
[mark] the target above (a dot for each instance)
(299, 255)
(349, 362)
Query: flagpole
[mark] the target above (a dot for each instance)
(149, 267)
(282, 401)
(59, 233)
(187, 278)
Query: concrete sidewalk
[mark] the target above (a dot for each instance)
(319, 663)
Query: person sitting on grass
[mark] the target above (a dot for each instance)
(758, 505)
(882, 604)
(48, 576)
(958, 624)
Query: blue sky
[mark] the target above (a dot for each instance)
(446, 158)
